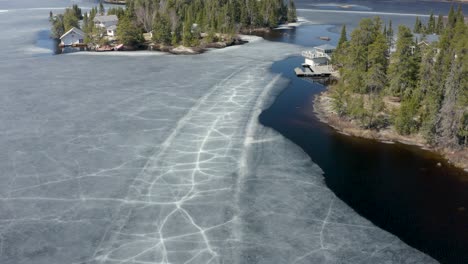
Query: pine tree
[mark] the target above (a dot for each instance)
(448, 125)
(377, 60)
(405, 121)
(390, 35)
(451, 17)
(292, 16)
(58, 28)
(431, 93)
(343, 37)
(162, 29)
(70, 20)
(187, 30)
(102, 10)
(176, 35)
(417, 26)
(431, 25)
(440, 25)
(403, 70)
(128, 33)
(340, 98)
(339, 53)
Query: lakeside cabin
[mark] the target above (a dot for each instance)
(317, 62)
(73, 37)
(109, 23)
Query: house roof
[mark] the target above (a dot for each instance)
(113, 27)
(103, 19)
(75, 30)
(326, 47)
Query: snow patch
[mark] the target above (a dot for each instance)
(300, 21)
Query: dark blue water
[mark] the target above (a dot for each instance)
(399, 188)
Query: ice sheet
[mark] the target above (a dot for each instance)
(161, 159)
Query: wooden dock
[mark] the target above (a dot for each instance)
(314, 71)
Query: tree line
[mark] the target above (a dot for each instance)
(419, 89)
(180, 21)
(174, 22)
(432, 27)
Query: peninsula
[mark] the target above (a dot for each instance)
(412, 88)
(176, 26)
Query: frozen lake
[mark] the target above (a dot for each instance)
(117, 158)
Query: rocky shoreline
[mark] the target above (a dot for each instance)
(323, 110)
(182, 50)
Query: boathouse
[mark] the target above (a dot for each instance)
(319, 56)
(73, 37)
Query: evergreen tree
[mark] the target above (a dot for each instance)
(187, 30)
(176, 35)
(339, 53)
(431, 25)
(128, 33)
(58, 28)
(440, 25)
(405, 121)
(431, 93)
(417, 26)
(390, 35)
(451, 17)
(403, 70)
(377, 60)
(340, 96)
(102, 10)
(292, 16)
(77, 12)
(162, 29)
(448, 123)
(70, 21)
(343, 37)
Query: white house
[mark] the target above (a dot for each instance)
(319, 56)
(111, 31)
(72, 37)
(106, 21)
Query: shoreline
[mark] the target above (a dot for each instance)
(169, 49)
(323, 111)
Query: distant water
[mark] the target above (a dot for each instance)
(398, 187)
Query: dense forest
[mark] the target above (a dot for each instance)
(418, 88)
(186, 22)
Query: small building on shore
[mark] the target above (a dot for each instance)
(319, 56)
(317, 62)
(106, 21)
(426, 40)
(73, 37)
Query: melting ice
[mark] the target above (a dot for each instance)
(161, 159)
